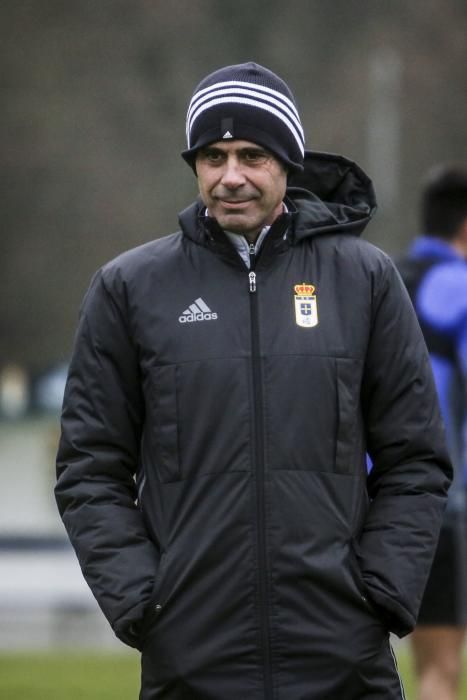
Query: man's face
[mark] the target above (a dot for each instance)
(242, 185)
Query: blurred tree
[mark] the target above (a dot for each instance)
(94, 99)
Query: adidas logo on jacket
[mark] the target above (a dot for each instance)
(198, 311)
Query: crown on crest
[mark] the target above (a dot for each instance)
(304, 289)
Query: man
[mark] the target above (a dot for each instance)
(435, 272)
(239, 370)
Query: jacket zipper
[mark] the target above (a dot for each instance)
(260, 475)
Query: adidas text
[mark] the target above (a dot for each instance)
(189, 318)
(198, 311)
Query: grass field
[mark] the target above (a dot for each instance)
(77, 676)
(69, 676)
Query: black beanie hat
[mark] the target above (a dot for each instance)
(248, 102)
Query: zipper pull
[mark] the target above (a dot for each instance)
(251, 274)
(252, 278)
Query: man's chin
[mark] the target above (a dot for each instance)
(236, 223)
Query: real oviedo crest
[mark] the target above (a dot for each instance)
(306, 309)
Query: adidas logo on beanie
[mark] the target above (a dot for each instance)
(247, 102)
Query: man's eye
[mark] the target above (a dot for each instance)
(213, 156)
(255, 156)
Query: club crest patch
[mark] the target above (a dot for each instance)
(306, 308)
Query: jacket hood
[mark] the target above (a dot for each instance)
(331, 195)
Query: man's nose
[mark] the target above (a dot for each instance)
(233, 176)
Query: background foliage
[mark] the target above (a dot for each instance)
(94, 97)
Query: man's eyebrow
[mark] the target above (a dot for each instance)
(210, 149)
(259, 150)
(254, 149)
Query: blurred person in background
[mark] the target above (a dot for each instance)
(435, 273)
(225, 384)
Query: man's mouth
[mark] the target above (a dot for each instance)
(233, 203)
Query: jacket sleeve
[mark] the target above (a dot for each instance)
(411, 470)
(97, 458)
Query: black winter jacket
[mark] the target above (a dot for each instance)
(212, 471)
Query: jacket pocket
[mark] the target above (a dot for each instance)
(162, 422)
(156, 603)
(361, 587)
(349, 434)
(312, 414)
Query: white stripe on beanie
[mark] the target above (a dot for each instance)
(253, 103)
(244, 84)
(270, 100)
(244, 91)
(262, 101)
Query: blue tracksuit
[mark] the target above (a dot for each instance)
(436, 276)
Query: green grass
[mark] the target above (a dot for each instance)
(406, 673)
(97, 676)
(69, 676)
